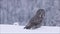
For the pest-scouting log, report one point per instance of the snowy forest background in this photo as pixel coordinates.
(23, 10)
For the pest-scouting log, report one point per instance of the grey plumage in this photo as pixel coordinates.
(36, 20)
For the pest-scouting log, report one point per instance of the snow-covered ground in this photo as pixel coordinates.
(19, 29)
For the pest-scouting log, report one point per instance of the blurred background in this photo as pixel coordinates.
(22, 11)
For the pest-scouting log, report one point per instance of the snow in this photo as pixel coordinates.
(20, 29)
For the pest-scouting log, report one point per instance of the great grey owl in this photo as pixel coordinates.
(36, 20)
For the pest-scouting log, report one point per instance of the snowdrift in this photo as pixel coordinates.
(20, 29)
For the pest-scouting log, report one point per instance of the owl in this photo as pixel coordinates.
(36, 20)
